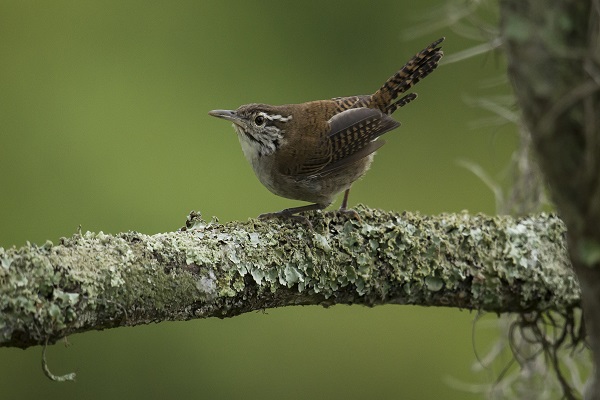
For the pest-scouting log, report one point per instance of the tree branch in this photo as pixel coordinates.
(98, 281)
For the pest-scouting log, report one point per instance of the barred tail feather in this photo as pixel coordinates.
(410, 74)
(400, 103)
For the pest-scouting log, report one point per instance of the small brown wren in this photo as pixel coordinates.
(313, 151)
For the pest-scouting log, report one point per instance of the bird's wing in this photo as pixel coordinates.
(352, 136)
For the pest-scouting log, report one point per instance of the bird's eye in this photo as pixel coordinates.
(259, 120)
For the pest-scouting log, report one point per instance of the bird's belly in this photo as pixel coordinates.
(314, 188)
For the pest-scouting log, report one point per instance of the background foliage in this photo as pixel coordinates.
(104, 124)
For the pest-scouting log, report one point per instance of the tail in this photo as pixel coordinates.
(413, 71)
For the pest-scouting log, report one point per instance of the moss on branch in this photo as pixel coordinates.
(97, 281)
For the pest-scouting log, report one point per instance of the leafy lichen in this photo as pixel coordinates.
(96, 281)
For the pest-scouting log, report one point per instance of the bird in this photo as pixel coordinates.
(315, 150)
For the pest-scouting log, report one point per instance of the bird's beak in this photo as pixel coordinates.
(229, 115)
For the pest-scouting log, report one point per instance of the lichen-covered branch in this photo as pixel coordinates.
(97, 281)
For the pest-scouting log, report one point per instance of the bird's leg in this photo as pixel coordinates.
(344, 207)
(345, 200)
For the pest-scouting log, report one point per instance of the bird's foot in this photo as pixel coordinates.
(347, 213)
(285, 214)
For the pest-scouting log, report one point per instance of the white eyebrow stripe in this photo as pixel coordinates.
(278, 117)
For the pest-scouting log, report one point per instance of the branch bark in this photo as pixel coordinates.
(97, 281)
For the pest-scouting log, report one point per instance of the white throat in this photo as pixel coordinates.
(251, 149)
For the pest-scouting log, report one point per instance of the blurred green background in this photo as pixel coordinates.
(104, 124)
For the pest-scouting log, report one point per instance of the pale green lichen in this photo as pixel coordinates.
(94, 280)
